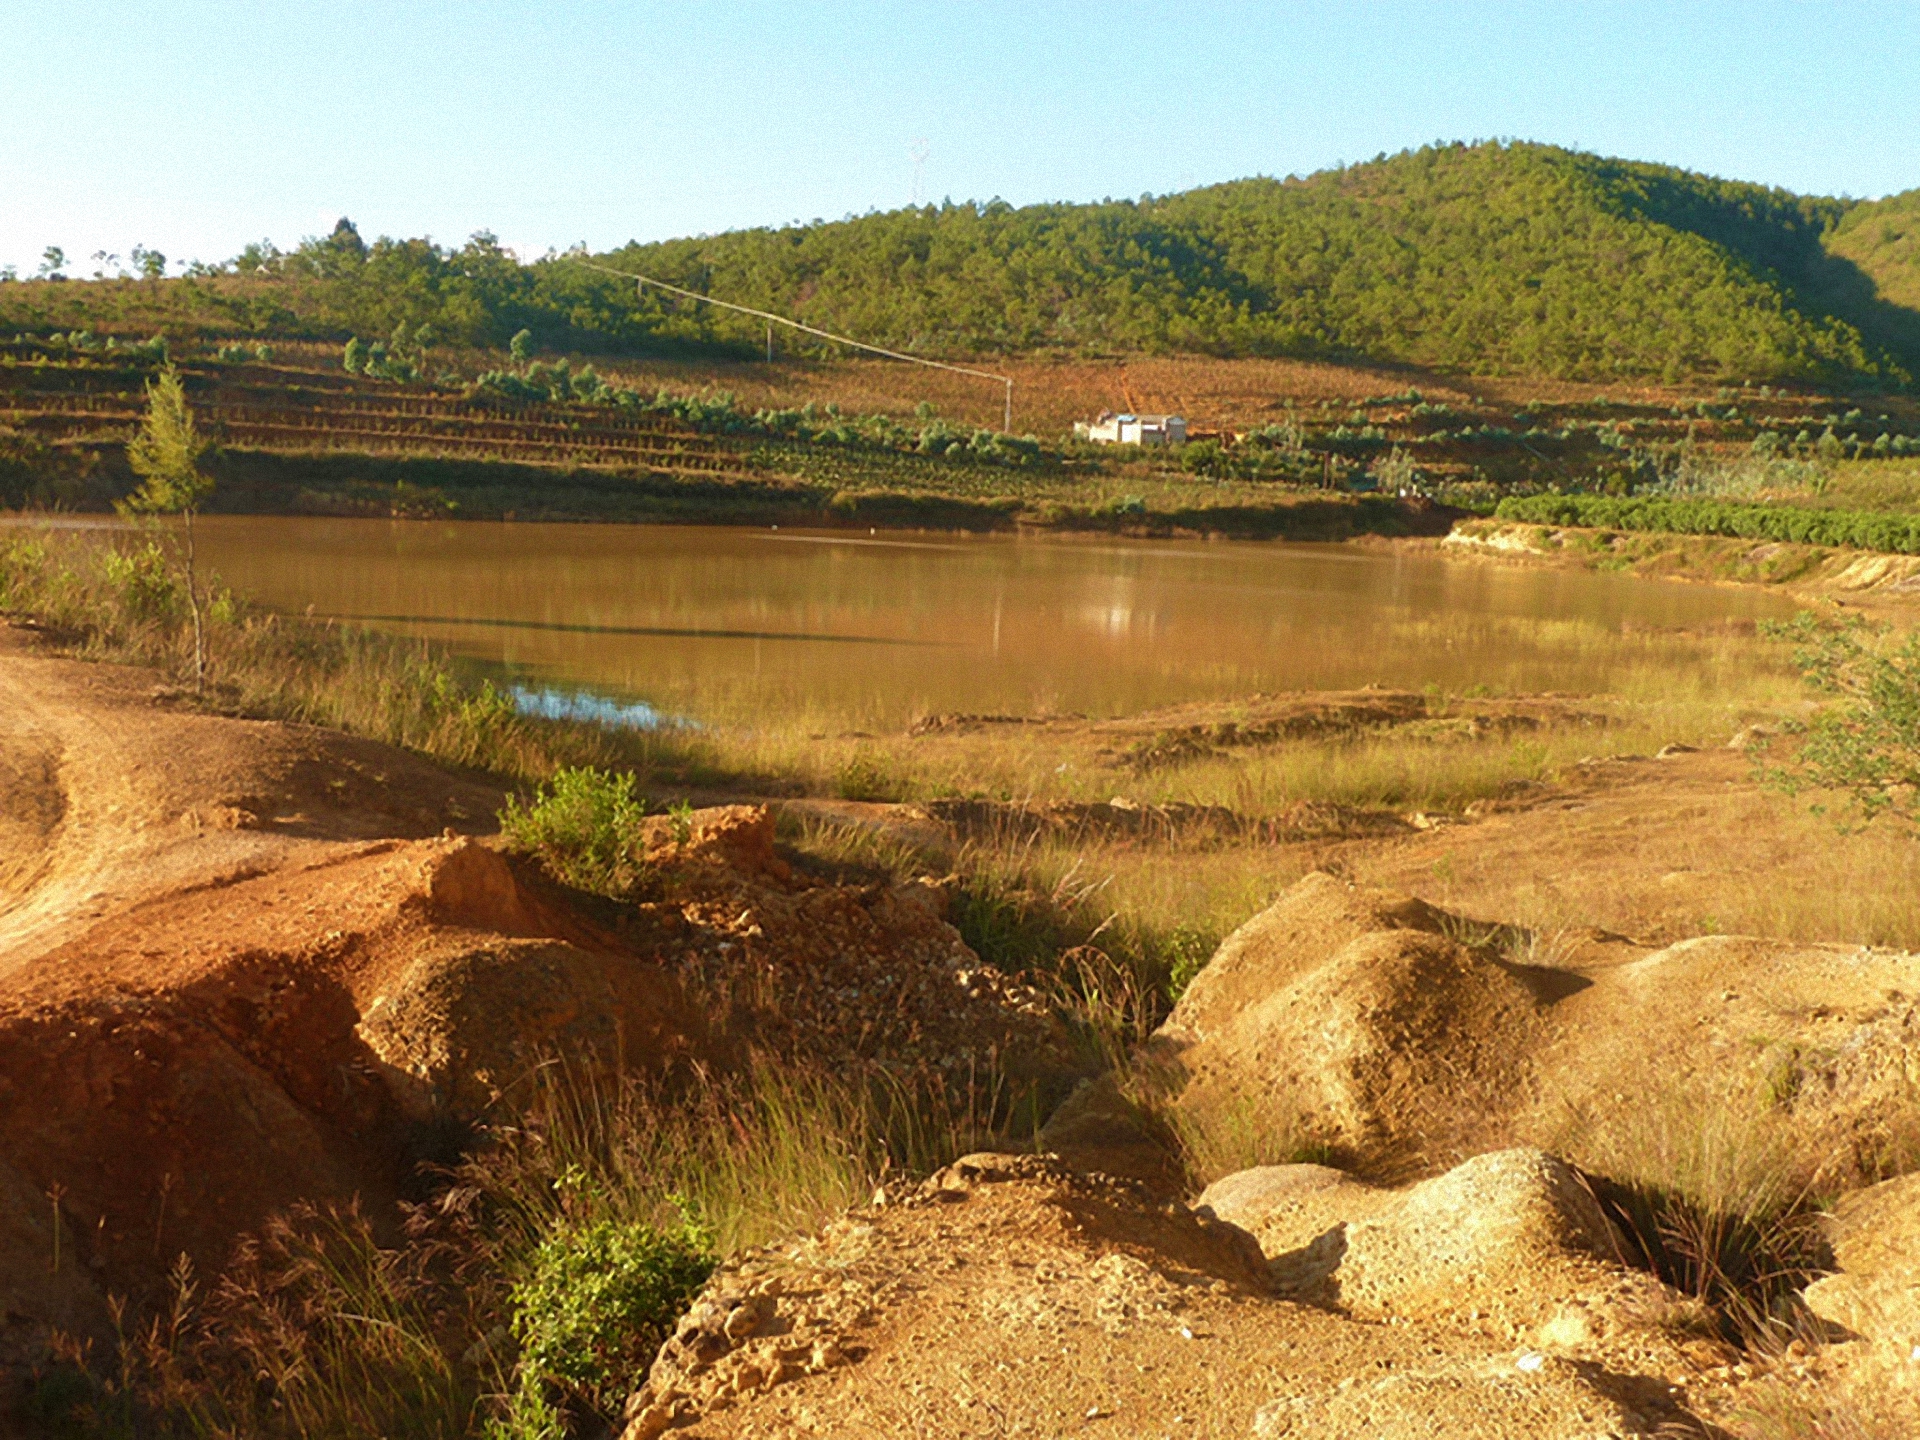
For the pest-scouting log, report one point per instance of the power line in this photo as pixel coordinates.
(772, 319)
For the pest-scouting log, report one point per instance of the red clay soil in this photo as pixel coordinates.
(246, 963)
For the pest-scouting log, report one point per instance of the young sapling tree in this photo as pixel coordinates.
(165, 453)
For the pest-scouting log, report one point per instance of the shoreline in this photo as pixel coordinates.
(1840, 576)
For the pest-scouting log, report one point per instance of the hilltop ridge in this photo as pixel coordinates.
(1493, 258)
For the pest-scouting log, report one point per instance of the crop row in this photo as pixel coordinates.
(572, 450)
(1854, 529)
(99, 403)
(480, 426)
(301, 432)
(443, 407)
(62, 413)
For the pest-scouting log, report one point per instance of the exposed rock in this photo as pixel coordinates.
(1358, 1010)
(1876, 1293)
(1532, 1395)
(1009, 1294)
(1511, 1243)
(1298, 1213)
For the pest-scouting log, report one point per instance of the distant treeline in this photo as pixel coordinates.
(1490, 258)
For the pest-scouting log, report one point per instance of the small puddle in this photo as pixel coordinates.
(551, 703)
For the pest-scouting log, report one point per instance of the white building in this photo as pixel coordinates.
(1112, 429)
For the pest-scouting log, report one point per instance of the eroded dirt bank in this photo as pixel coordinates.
(244, 964)
(1846, 576)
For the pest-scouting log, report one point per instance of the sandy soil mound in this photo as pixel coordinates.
(831, 971)
(1511, 1244)
(178, 1072)
(1407, 1035)
(1011, 1295)
(182, 1070)
(1875, 1296)
(1358, 1008)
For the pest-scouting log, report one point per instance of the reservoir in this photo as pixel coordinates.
(745, 625)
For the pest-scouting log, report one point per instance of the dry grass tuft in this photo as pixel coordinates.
(1222, 1134)
(1717, 1196)
(1825, 1411)
(321, 1328)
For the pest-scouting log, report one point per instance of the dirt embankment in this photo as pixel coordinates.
(1842, 575)
(1012, 1295)
(246, 964)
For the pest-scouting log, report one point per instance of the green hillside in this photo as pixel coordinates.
(1491, 258)
(1496, 258)
(1882, 238)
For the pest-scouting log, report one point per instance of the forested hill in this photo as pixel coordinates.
(1510, 258)
(1517, 258)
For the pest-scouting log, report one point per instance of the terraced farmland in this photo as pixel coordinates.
(86, 403)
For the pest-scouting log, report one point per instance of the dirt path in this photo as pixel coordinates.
(110, 796)
(87, 758)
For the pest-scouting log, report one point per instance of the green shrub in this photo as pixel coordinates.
(1203, 457)
(146, 587)
(585, 827)
(1866, 747)
(1856, 529)
(868, 776)
(599, 1301)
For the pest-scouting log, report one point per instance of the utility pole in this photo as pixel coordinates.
(769, 342)
(919, 151)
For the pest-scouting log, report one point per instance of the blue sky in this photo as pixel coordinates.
(197, 125)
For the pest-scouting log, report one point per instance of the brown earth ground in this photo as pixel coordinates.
(243, 963)
(248, 963)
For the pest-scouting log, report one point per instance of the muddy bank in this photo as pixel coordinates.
(1816, 571)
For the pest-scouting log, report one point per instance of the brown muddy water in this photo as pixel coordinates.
(758, 625)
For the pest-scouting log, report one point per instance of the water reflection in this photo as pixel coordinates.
(655, 630)
(551, 703)
(718, 623)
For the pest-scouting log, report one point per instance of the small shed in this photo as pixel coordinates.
(1129, 429)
